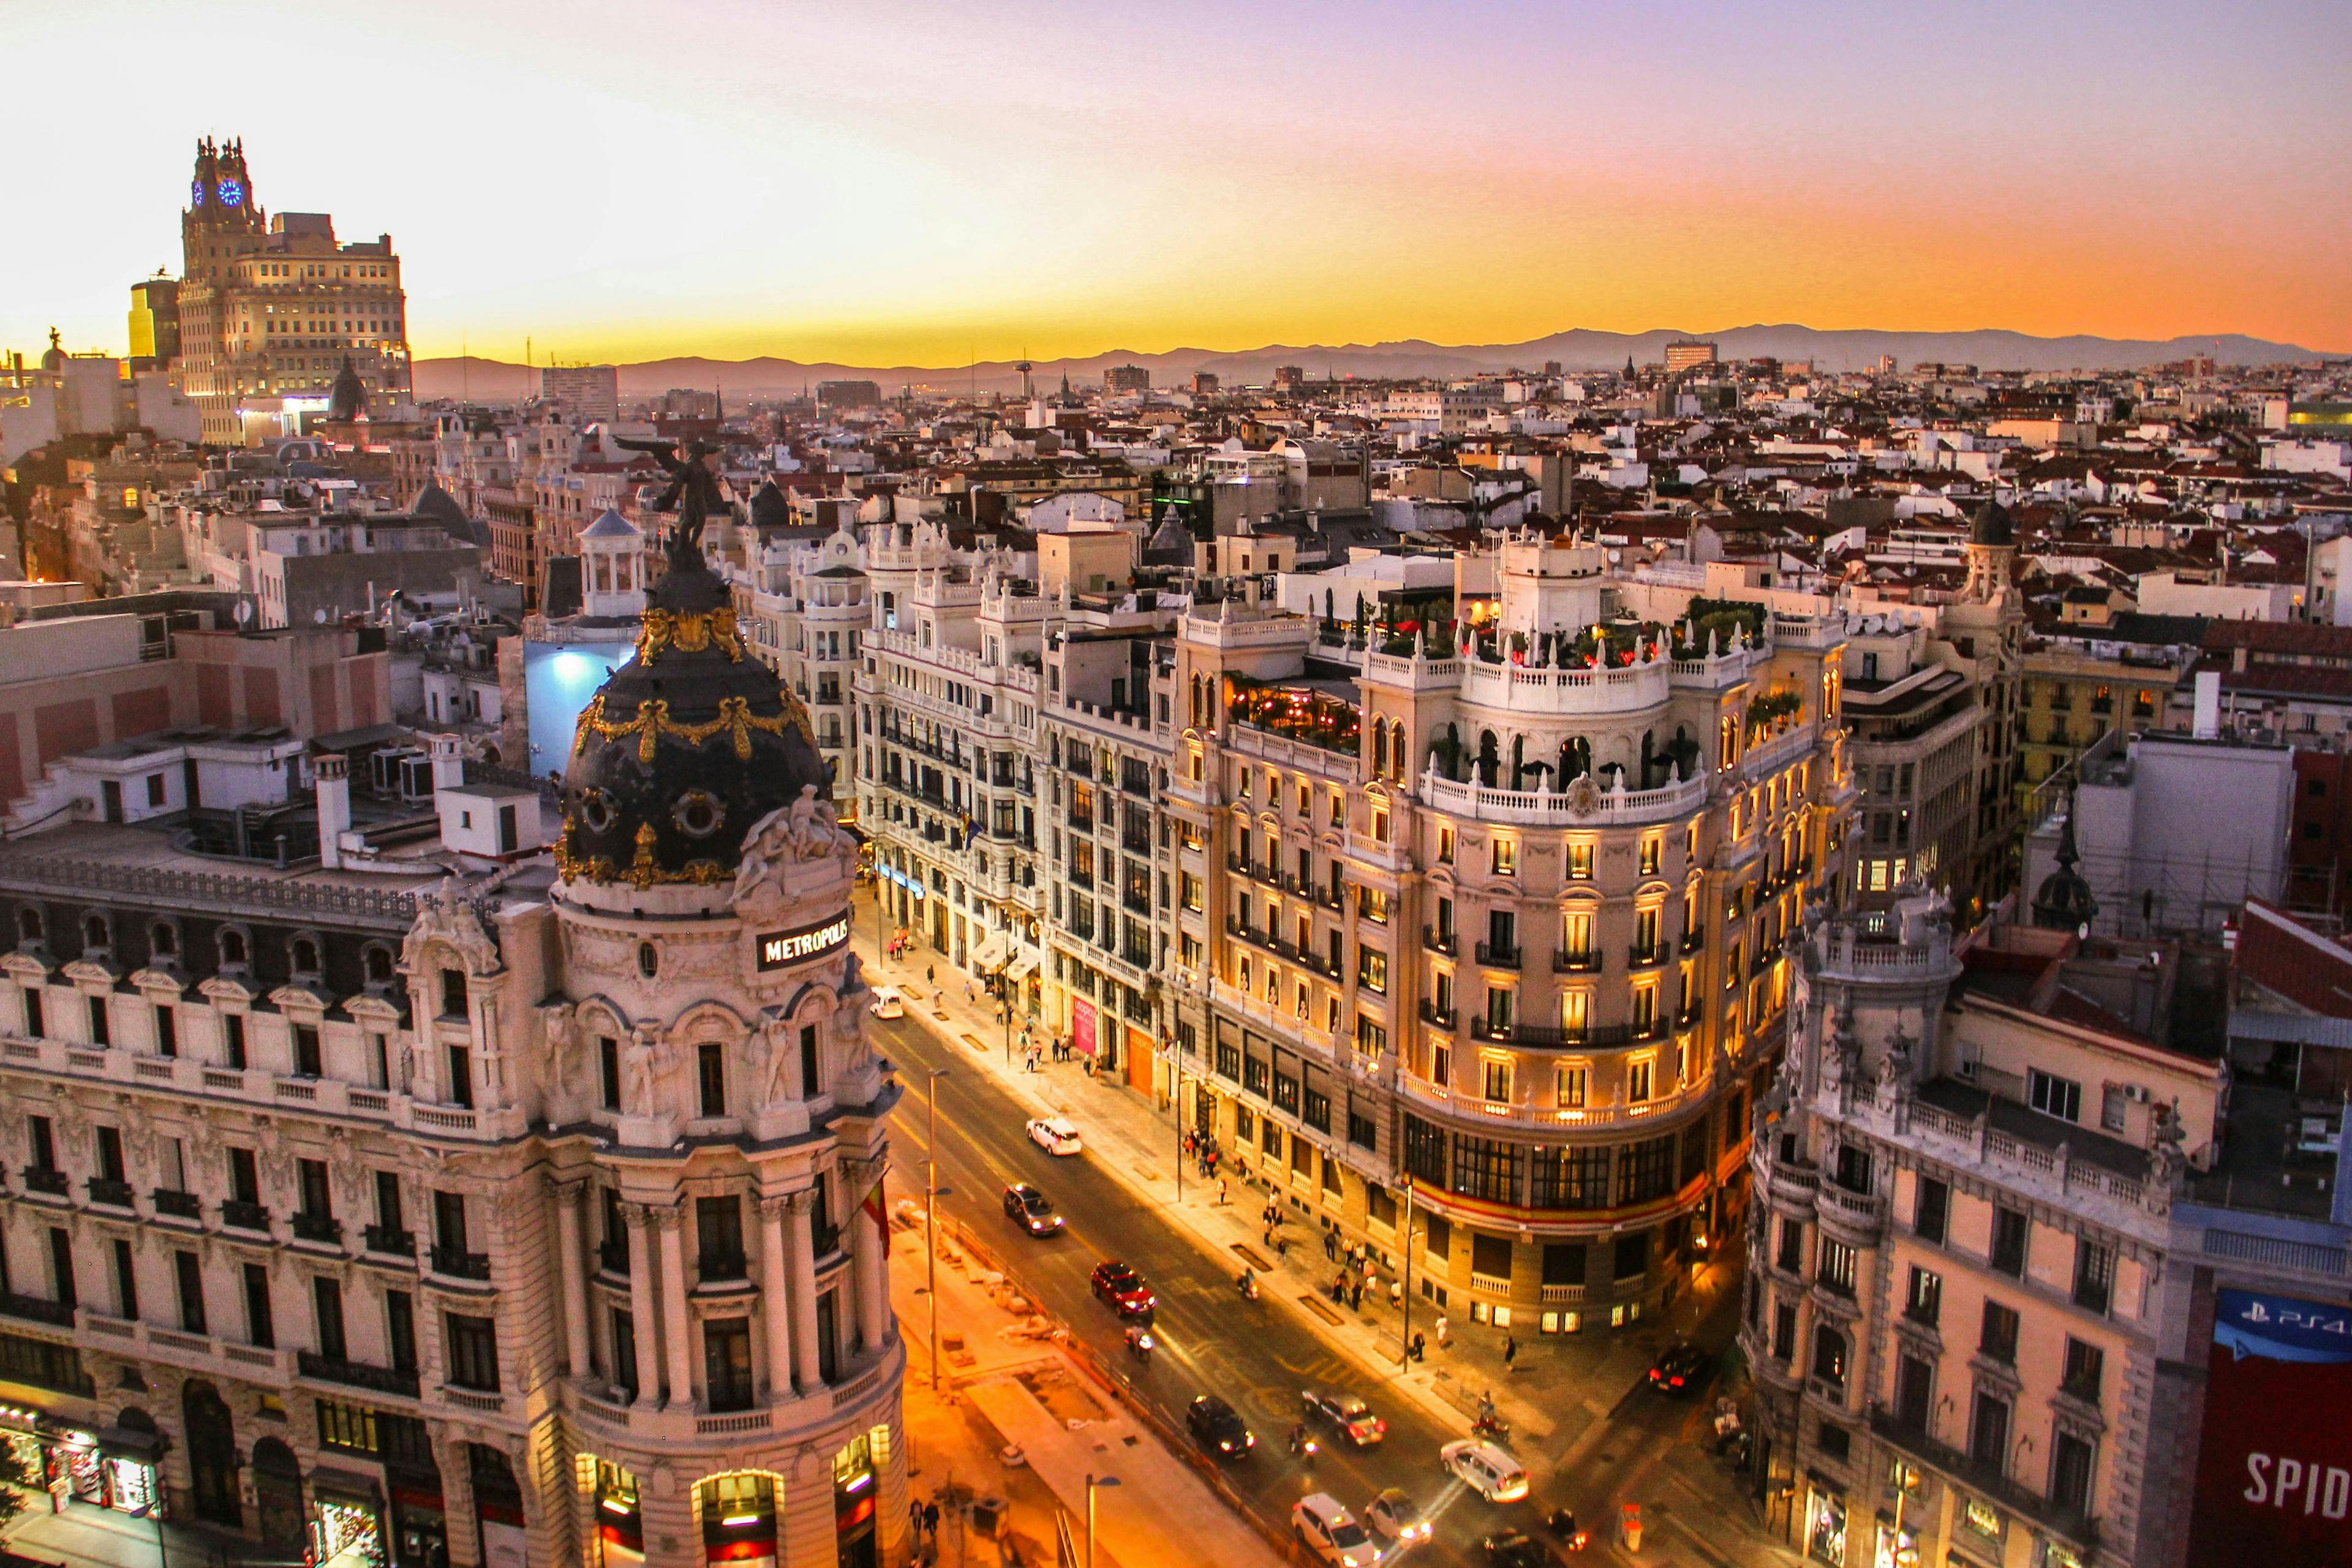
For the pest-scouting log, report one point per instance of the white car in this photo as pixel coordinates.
(1485, 1469)
(888, 1003)
(1054, 1134)
(1397, 1517)
(1327, 1529)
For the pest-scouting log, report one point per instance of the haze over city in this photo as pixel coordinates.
(929, 184)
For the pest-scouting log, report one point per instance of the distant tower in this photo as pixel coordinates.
(1992, 551)
(1027, 392)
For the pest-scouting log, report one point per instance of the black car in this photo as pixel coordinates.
(1514, 1548)
(1218, 1428)
(1680, 1370)
(1030, 1209)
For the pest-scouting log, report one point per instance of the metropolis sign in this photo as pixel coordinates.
(2274, 1476)
(778, 949)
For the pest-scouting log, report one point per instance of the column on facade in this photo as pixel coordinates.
(775, 1296)
(801, 1236)
(868, 1255)
(636, 1216)
(677, 1328)
(572, 1277)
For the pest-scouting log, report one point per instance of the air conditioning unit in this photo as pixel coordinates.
(2137, 1093)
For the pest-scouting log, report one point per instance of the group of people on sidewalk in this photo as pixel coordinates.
(1036, 1049)
(1356, 1275)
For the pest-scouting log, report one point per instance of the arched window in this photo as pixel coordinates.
(648, 960)
(29, 925)
(163, 939)
(304, 955)
(1380, 748)
(233, 948)
(95, 932)
(377, 962)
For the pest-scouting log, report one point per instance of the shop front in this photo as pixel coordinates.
(112, 1468)
(857, 1485)
(738, 1520)
(620, 1520)
(347, 1519)
(1825, 1523)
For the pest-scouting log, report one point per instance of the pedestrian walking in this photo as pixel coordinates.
(1221, 1181)
(1396, 1293)
(1442, 1325)
(931, 975)
(1420, 1348)
(915, 1516)
(1356, 1297)
(1510, 1351)
(931, 1518)
(1330, 1246)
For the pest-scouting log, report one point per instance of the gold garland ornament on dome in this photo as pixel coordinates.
(644, 870)
(690, 633)
(653, 720)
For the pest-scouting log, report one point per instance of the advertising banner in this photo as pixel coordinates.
(2274, 1468)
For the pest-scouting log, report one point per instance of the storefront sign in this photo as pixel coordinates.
(2274, 1471)
(1082, 1027)
(778, 949)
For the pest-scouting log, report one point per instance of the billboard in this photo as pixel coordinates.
(2275, 1468)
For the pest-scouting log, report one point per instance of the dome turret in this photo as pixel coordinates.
(691, 743)
(2065, 900)
(347, 399)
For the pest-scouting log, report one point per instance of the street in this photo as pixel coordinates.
(1259, 1355)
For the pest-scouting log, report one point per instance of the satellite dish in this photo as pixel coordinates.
(244, 611)
(318, 617)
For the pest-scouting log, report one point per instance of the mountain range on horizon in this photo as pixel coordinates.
(1578, 349)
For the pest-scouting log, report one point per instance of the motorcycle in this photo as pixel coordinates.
(1303, 1444)
(1139, 1344)
(1563, 1525)
(1486, 1424)
(1247, 1285)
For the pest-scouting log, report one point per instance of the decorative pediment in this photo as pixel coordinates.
(298, 997)
(160, 980)
(89, 972)
(446, 917)
(222, 988)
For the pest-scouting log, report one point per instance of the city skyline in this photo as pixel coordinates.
(915, 189)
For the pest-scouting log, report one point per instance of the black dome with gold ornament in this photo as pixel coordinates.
(690, 743)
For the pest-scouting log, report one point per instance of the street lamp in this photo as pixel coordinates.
(930, 1213)
(1094, 1484)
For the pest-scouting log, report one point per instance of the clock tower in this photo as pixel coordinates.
(222, 222)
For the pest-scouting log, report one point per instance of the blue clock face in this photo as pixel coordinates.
(232, 193)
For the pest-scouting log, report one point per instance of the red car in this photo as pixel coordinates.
(1122, 1289)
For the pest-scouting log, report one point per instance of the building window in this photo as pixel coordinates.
(1646, 1170)
(1361, 1132)
(710, 1064)
(608, 1066)
(1638, 1075)
(1574, 1177)
(1486, 1168)
(2053, 1096)
(2085, 1369)
(1573, 1085)
(261, 1322)
(1997, 1341)
(1836, 1270)
(1828, 1357)
(1504, 855)
(1580, 860)
(1931, 1210)
(2072, 1463)
(1784, 1332)
(1988, 1434)
(2094, 1270)
(2009, 1233)
(453, 994)
(1923, 1302)
(1373, 969)
(473, 1352)
(727, 1363)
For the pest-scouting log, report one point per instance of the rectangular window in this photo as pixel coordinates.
(1784, 1332)
(400, 1328)
(710, 1067)
(1573, 1084)
(1914, 1392)
(1317, 1111)
(727, 1363)
(233, 1039)
(1790, 1258)
(1638, 1074)
(624, 1352)
(1361, 1132)
(1646, 1170)
(260, 1323)
(1988, 1434)
(1998, 1341)
(187, 1272)
(1579, 861)
(449, 1221)
(1504, 857)
(1496, 1073)
(327, 1305)
(2085, 1369)
(472, 1345)
(1424, 1151)
(307, 1061)
(461, 1076)
(243, 1176)
(317, 1197)
(719, 1236)
(167, 1032)
(100, 1033)
(608, 1066)
(2095, 1273)
(1836, 1270)
(1373, 969)
(2053, 1096)
(812, 1063)
(2072, 1462)
(1486, 1168)
(126, 1282)
(2009, 1233)
(1931, 1210)
(109, 1154)
(1573, 1177)
(1924, 1301)
(453, 994)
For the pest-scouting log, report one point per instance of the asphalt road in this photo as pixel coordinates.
(1257, 1355)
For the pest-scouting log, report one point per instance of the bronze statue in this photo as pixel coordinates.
(693, 493)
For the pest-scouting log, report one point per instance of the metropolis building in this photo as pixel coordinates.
(530, 1218)
(1482, 930)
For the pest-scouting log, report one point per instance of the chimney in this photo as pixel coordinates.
(334, 794)
(448, 763)
(2209, 704)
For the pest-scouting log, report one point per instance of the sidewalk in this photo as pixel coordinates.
(1562, 1387)
(1004, 1387)
(88, 1536)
